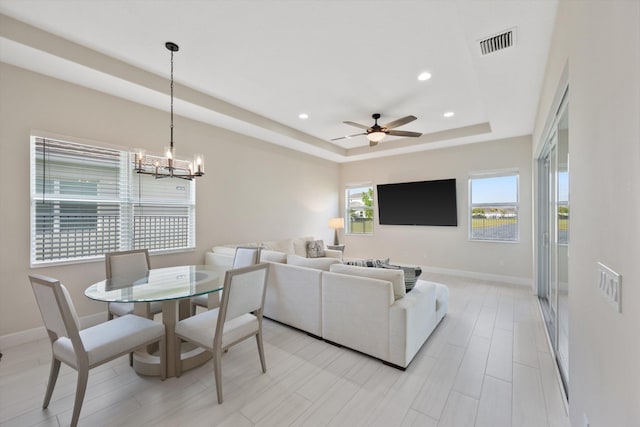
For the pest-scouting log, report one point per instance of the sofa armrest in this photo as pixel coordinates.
(411, 321)
(333, 253)
(355, 312)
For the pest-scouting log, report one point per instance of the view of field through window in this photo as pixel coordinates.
(494, 208)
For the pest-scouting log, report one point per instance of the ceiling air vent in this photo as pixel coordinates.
(498, 42)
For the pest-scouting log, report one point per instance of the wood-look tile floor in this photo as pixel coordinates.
(486, 364)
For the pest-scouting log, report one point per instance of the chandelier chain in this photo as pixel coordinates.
(171, 102)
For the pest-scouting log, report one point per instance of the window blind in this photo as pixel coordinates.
(86, 201)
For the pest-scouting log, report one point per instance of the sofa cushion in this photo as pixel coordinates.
(316, 263)
(273, 256)
(283, 246)
(396, 277)
(315, 249)
(299, 246)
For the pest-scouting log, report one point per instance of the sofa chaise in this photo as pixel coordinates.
(365, 309)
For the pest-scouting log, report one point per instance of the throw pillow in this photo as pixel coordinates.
(411, 274)
(315, 249)
(299, 246)
(379, 263)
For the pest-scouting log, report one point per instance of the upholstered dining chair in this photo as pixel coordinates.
(244, 257)
(85, 349)
(238, 318)
(134, 263)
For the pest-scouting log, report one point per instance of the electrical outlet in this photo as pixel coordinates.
(610, 284)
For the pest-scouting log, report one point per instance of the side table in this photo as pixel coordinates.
(336, 247)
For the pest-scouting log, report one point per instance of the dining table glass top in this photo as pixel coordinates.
(158, 284)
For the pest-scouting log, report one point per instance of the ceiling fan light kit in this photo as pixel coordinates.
(376, 136)
(377, 132)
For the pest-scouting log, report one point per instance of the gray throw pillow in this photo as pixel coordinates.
(379, 263)
(315, 249)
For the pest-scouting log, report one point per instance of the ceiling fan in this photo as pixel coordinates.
(376, 132)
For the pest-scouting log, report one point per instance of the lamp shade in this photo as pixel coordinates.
(336, 223)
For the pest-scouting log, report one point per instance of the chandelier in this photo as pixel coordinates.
(168, 166)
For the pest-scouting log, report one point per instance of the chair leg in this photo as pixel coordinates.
(53, 376)
(131, 359)
(217, 371)
(261, 351)
(83, 377)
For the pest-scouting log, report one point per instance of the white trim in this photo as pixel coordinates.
(513, 280)
(35, 334)
(552, 113)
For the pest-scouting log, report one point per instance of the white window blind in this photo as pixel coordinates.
(86, 201)
(163, 213)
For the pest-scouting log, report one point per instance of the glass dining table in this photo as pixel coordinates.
(173, 286)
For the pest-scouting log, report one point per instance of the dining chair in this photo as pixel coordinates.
(238, 318)
(134, 263)
(244, 257)
(85, 349)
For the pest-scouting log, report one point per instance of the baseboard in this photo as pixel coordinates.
(513, 280)
(35, 334)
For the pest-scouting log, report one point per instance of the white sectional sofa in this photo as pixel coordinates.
(365, 309)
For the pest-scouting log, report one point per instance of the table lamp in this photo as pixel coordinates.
(336, 224)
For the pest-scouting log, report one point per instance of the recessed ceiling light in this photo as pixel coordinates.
(449, 114)
(303, 116)
(424, 76)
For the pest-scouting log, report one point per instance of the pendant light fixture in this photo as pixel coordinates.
(169, 166)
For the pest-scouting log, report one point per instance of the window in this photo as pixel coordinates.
(563, 206)
(87, 200)
(494, 207)
(359, 209)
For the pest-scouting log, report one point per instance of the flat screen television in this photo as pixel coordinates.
(418, 203)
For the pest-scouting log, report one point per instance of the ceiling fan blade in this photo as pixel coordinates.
(348, 136)
(399, 122)
(358, 125)
(403, 133)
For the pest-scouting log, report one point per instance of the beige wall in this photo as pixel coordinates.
(448, 248)
(252, 190)
(600, 42)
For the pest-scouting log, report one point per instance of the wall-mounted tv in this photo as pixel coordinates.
(418, 203)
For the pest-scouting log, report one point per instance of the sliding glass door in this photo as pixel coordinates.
(553, 237)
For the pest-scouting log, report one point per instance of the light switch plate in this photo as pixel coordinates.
(610, 284)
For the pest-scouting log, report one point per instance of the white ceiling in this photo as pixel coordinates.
(253, 66)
